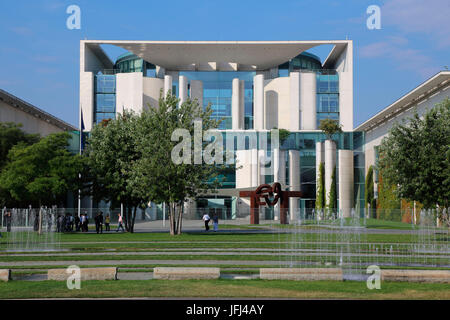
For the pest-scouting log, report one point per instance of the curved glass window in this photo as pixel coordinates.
(304, 61)
(129, 62)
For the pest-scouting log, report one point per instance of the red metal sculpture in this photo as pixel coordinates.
(271, 194)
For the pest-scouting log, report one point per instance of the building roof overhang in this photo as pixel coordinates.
(248, 55)
(429, 87)
(24, 106)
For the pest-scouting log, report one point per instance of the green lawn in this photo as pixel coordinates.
(224, 288)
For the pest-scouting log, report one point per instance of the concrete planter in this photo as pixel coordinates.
(309, 274)
(169, 273)
(109, 273)
(442, 276)
(5, 275)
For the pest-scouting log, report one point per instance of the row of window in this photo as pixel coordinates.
(219, 95)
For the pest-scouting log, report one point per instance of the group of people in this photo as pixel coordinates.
(206, 218)
(69, 223)
(99, 223)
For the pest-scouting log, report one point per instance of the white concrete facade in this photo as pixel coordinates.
(279, 101)
(308, 96)
(346, 183)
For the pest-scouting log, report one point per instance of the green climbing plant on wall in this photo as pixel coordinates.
(389, 205)
(369, 196)
(332, 205)
(320, 194)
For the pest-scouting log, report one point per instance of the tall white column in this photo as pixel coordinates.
(183, 89)
(294, 181)
(235, 104)
(254, 167)
(346, 180)
(294, 100)
(258, 102)
(197, 91)
(167, 84)
(261, 167)
(308, 96)
(279, 174)
(330, 163)
(320, 157)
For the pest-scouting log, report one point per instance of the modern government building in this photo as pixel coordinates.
(254, 86)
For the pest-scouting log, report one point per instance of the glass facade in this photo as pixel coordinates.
(105, 97)
(304, 61)
(129, 62)
(305, 144)
(217, 91)
(327, 95)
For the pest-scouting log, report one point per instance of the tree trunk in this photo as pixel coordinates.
(180, 218)
(133, 219)
(172, 219)
(130, 215)
(124, 216)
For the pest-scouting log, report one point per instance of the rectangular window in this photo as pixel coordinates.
(105, 97)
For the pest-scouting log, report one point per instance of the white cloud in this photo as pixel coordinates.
(395, 49)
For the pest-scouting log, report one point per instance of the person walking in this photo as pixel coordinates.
(120, 223)
(99, 222)
(216, 222)
(77, 223)
(82, 219)
(8, 221)
(107, 222)
(206, 219)
(86, 223)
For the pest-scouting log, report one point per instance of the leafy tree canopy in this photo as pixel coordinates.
(42, 173)
(415, 157)
(330, 127)
(10, 135)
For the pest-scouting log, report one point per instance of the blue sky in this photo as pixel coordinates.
(39, 56)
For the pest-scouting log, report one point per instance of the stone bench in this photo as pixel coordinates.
(109, 273)
(5, 275)
(416, 275)
(308, 274)
(174, 273)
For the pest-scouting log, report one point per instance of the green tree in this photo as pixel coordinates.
(415, 157)
(283, 134)
(10, 135)
(111, 154)
(156, 176)
(388, 204)
(330, 127)
(42, 173)
(369, 196)
(320, 197)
